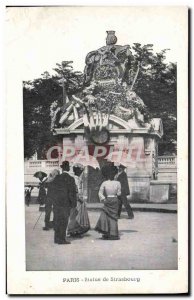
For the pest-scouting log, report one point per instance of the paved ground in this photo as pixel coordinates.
(151, 207)
(147, 242)
(144, 206)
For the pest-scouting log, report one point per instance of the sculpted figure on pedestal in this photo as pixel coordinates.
(107, 89)
(109, 62)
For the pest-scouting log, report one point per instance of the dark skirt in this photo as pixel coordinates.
(42, 195)
(108, 221)
(79, 221)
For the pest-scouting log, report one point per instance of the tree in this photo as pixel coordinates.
(38, 96)
(37, 100)
(71, 81)
(30, 125)
(157, 86)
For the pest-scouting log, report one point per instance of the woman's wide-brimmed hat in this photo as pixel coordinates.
(109, 170)
(64, 164)
(40, 175)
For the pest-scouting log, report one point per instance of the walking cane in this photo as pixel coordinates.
(37, 220)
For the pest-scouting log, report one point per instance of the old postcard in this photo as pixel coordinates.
(97, 151)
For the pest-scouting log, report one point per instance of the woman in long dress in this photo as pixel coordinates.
(79, 221)
(109, 191)
(42, 193)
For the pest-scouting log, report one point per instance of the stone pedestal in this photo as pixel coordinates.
(139, 188)
(162, 191)
(138, 143)
(159, 191)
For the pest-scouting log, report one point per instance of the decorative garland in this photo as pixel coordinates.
(116, 99)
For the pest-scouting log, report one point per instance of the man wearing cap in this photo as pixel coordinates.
(122, 178)
(65, 200)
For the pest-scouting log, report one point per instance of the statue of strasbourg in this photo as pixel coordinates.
(107, 89)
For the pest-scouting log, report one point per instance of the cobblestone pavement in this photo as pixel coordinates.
(149, 241)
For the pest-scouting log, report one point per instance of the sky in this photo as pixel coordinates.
(39, 37)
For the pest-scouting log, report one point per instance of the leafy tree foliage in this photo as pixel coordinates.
(157, 86)
(38, 96)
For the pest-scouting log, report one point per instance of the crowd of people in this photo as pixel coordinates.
(65, 198)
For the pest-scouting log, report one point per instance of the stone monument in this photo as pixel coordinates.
(108, 113)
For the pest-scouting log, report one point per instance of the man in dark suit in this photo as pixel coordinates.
(65, 200)
(122, 178)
